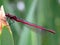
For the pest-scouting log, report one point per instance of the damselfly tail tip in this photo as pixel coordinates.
(51, 31)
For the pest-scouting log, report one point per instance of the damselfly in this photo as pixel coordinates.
(28, 23)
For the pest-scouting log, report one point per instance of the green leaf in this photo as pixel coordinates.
(6, 37)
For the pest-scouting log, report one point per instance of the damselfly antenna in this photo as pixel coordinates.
(28, 23)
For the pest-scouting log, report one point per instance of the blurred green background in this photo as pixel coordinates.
(45, 13)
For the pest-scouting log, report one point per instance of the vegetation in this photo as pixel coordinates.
(45, 13)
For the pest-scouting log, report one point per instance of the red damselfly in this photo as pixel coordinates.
(28, 23)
